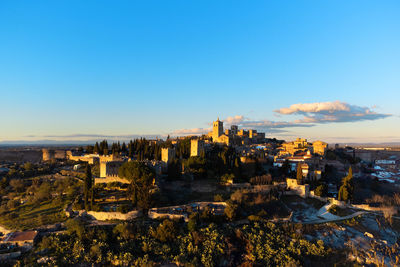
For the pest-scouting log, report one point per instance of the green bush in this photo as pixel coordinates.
(193, 222)
(124, 208)
(321, 190)
(333, 209)
(75, 226)
(218, 198)
(166, 231)
(254, 218)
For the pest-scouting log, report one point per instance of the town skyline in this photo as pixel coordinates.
(199, 133)
(312, 115)
(173, 69)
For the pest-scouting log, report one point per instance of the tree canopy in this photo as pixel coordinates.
(347, 189)
(142, 178)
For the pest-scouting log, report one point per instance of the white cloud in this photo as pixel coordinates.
(311, 114)
(320, 107)
(194, 131)
(238, 119)
(327, 112)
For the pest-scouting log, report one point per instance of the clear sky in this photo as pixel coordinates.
(88, 69)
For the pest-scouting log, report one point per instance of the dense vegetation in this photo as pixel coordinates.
(142, 244)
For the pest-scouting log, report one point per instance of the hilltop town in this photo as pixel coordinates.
(198, 200)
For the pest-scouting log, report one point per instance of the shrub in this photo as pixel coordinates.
(193, 222)
(239, 196)
(388, 213)
(75, 226)
(227, 178)
(125, 230)
(96, 208)
(166, 231)
(333, 209)
(218, 198)
(231, 210)
(12, 204)
(321, 190)
(77, 205)
(254, 218)
(124, 208)
(17, 184)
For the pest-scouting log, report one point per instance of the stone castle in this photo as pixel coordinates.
(234, 136)
(196, 147)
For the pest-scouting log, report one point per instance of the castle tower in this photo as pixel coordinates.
(196, 147)
(48, 154)
(167, 155)
(110, 168)
(234, 129)
(218, 129)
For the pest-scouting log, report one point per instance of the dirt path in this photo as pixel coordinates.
(323, 216)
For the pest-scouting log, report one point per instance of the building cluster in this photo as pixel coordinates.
(234, 136)
(301, 145)
(308, 155)
(387, 169)
(247, 143)
(109, 164)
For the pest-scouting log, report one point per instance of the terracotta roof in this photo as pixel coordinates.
(20, 236)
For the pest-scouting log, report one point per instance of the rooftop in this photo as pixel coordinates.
(20, 236)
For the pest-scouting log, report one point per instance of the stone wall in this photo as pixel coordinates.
(328, 199)
(156, 215)
(110, 179)
(368, 207)
(167, 212)
(302, 190)
(104, 216)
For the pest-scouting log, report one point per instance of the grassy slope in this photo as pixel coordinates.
(28, 216)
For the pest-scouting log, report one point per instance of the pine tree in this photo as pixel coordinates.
(299, 175)
(237, 169)
(87, 185)
(92, 191)
(96, 149)
(123, 148)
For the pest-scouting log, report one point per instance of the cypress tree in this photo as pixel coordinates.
(96, 149)
(87, 185)
(346, 191)
(92, 190)
(299, 175)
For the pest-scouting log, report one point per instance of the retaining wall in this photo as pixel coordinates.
(104, 216)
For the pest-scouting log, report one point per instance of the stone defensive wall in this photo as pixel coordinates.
(104, 216)
(156, 215)
(181, 211)
(327, 199)
(301, 190)
(110, 179)
(254, 188)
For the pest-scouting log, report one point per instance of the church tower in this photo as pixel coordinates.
(218, 129)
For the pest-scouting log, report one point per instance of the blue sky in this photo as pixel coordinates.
(119, 68)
